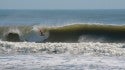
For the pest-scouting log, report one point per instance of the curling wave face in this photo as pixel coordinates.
(68, 33)
(20, 33)
(90, 48)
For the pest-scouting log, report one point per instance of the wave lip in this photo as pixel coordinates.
(94, 49)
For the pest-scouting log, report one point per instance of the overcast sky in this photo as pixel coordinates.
(62, 4)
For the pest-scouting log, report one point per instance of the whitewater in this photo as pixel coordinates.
(86, 48)
(61, 56)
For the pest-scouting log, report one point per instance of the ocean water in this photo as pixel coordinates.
(69, 39)
(58, 17)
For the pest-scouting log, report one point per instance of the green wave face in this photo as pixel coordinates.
(72, 33)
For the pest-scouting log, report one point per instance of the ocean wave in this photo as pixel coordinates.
(90, 48)
(66, 33)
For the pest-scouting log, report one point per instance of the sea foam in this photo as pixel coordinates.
(90, 48)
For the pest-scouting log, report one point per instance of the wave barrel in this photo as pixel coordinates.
(14, 37)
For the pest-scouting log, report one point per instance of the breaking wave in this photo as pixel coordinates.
(68, 33)
(95, 40)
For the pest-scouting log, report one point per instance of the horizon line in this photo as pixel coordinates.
(64, 9)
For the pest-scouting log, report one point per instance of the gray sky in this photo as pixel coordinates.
(62, 4)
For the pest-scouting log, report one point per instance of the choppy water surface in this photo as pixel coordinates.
(61, 56)
(60, 62)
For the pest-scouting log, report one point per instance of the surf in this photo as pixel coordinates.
(68, 33)
(89, 48)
